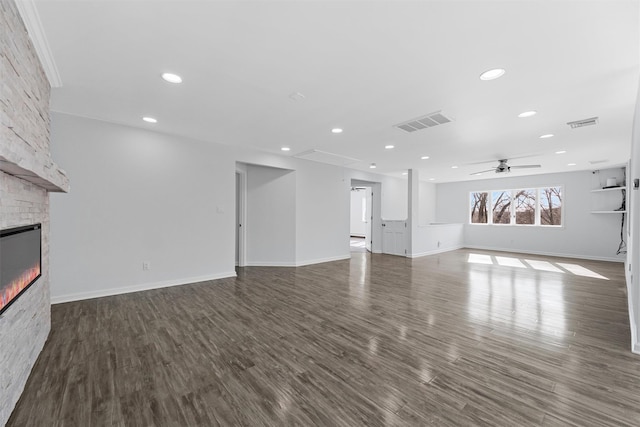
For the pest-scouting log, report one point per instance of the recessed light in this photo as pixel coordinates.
(546, 135)
(405, 173)
(424, 157)
(432, 179)
(297, 96)
(492, 74)
(561, 152)
(454, 167)
(285, 148)
(527, 114)
(336, 130)
(372, 166)
(150, 120)
(389, 147)
(571, 164)
(171, 78)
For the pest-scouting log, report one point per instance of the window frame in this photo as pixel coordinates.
(512, 207)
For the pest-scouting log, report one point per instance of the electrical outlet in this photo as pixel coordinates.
(146, 266)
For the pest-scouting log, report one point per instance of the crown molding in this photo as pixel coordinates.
(31, 18)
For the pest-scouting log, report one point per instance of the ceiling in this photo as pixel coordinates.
(363, 67)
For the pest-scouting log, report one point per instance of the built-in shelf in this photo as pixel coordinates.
(608, 212)
(608, 189)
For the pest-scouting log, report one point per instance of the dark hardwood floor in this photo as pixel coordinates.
(462, 338)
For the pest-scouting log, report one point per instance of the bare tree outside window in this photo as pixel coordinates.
(550, 206)
(525, 201)
(501, 201)
(479, 208)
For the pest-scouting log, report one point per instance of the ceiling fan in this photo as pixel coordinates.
(503, 167)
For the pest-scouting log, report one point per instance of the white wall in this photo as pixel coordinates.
(437, 238)
(633, 243)
(357, 225)
(142, 196)
(137, 196)
(583, 235)
(271, 216)
(393, 191)
(427, 203)
(322, 213)
(394, 198)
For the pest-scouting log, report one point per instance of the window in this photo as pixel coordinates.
(479, 208)
(551, 206)
(525, 201)
(501, 202)
(529, 207)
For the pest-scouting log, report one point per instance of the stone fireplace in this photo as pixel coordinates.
(27, 175)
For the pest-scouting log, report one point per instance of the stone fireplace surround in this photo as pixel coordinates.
(27, 175)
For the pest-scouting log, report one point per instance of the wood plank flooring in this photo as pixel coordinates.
(462, 338)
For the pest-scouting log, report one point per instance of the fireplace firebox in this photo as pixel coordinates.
(20, 262)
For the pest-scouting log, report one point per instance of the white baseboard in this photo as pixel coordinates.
(296, 264)
(57, 299)
(321, 260)
(635, 346)
(269, 264)
(561, 255)
(436, 251)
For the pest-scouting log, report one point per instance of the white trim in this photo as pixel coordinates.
(635, 346)
(298, 263)
(321, 260)
(137, 288)
(561, 255)
(269, 264)
(436, 251)
(31, 18)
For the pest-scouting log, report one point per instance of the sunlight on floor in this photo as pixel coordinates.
(510, 262)
(479, 259)
(579, 270)
(543, 265)
(539, 265)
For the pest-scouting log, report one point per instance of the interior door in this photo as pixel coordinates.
(394, 237)
(369, 218)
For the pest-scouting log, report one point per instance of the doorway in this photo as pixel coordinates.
(372, 208)
(241, 197)
(361, 217)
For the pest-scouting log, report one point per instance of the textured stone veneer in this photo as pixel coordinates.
(24, 142)
(25, 325)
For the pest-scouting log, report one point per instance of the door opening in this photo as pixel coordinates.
(240, 219)
(361, 216)
(368, 211)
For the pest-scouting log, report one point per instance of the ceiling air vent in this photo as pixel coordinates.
(424, 122)
(584, 122)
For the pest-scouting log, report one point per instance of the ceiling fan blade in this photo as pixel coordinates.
(481, 172)
(502, 156)
(525, 166)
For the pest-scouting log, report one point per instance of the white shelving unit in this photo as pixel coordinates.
(608, 189)
(608, 200)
